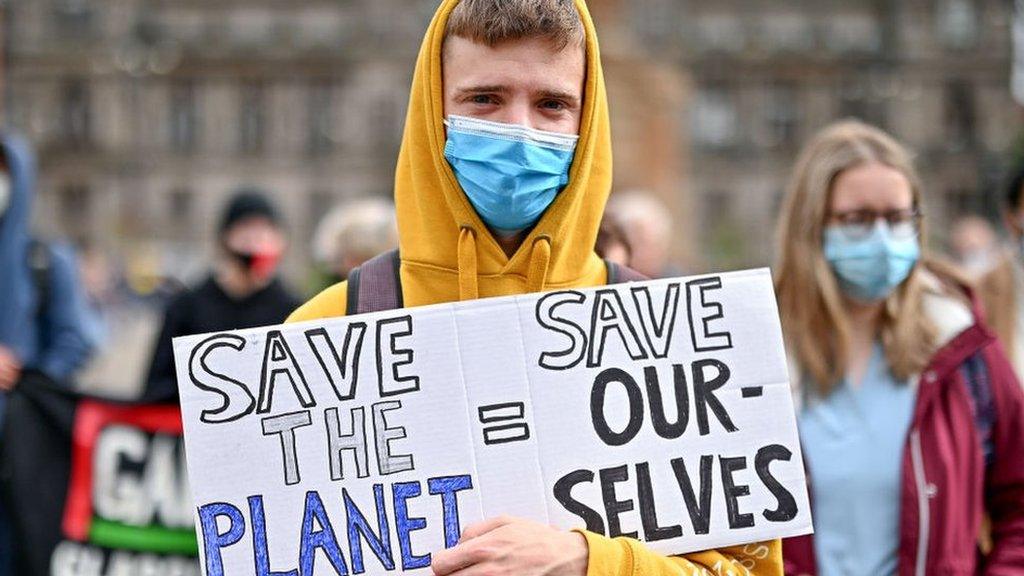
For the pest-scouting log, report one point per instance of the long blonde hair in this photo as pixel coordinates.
(814, 317)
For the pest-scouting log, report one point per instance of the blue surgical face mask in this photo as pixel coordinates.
(510, 173)
(870, 268)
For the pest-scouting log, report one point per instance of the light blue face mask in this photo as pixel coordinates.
(870, 268)
(510, 173)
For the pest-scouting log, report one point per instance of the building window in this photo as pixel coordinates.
(184, 120)
(181, 204)
(856, 102)
(73, 17)
(715, 117)
(320, 115)
(252, 118)
(786, 32)
(782, 118)
(74, 205)
(320, 203)
(386, 119)
(720, 33)
(959, 114)
(847, 33)
(957, 24)
(75, 114)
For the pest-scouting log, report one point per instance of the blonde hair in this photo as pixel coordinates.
(813, 314)
(492, 22)
(355, 231)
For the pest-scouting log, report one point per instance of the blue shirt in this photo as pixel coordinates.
(853, 442)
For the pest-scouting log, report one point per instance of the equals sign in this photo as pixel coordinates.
(506, 423)
(752, 391)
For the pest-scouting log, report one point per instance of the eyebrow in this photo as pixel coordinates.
(497, 88)
(560, 95)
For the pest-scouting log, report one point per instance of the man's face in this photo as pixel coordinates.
(525, 82)
(256, 243)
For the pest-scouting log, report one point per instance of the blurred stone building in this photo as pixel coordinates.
(149, 112)
(768, 74)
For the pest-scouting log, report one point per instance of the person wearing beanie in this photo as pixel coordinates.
(242, 290)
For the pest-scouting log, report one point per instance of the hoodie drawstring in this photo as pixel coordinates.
(468, 289)
(536, 276)
(540, 259)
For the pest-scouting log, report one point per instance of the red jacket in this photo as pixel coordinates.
(964, 456)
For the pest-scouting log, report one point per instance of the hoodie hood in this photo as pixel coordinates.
(447, 252)
(16, 281)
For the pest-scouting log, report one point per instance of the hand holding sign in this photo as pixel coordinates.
(658, 410)
(506, 545)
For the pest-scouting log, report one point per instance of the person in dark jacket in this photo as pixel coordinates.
(243, 291)
(911, 418)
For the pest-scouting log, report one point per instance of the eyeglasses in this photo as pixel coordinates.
(858, 224)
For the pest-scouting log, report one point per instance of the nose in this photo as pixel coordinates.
(518, 112)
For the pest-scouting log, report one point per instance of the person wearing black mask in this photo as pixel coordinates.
(243, 290)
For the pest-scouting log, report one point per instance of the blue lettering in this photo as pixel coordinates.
(323, 538)
(402, 491)
(380, 543)
(447, 487)
(259, 540)
(213, 540)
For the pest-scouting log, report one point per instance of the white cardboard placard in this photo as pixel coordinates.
(659, 410)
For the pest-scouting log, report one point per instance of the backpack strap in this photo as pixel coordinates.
(618, 274)
(976, 377)
(376, 285)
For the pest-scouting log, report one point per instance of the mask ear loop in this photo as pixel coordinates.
(468, 289)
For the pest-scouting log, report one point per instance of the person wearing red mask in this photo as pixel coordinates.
(242, 291)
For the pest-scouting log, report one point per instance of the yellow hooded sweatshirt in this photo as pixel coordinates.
(448, 254)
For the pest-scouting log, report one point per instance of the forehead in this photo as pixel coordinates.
(251, 224)
(871, 186)
(528, 63)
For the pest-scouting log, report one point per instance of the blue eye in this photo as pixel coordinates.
(481, 99)
(552, 105)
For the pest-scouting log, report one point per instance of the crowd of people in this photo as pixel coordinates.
(905, 364)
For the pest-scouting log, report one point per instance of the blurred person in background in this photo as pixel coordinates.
(352, 233)
(975, 246)
(612, 243)
(242, 291)
(43, 324)
(1002, 288)
(42, 307)
(646, 223)
(910, 416)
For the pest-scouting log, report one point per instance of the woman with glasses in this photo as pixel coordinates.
(911, 419)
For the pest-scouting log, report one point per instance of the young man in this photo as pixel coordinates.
(501, 183)
(243, 291)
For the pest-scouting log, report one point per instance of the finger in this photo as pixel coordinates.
(475, 570)
(460, 557)
(481, 528)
